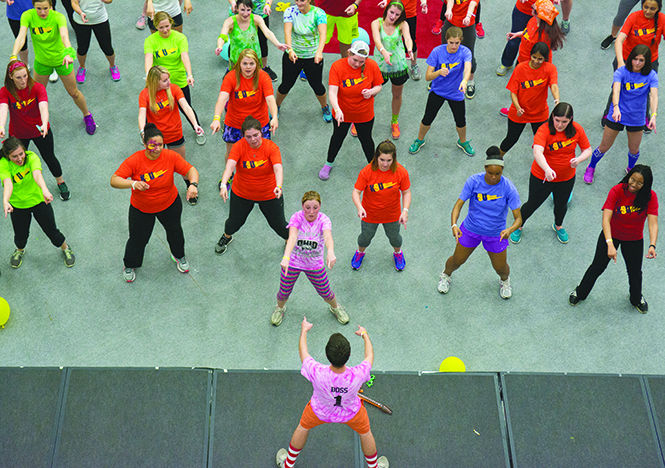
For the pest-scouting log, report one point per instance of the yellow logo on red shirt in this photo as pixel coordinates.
(244, 94)
(381, 186)
(459, 2)
(152, 175)
(164, 52)
(163, 104)
(486, 197)
(19, 176)
(21, 104)
(254, 164)
(627, 209)
(352, 82)
(634, 86)
(531, 83)
(40, 31)
(561, 144)
(643, 32)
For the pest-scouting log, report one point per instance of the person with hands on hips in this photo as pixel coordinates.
(258, 180)
(629, 205)
(149, 175)
(490, 196)
(309, 231)
(25, 195)
(335, 396)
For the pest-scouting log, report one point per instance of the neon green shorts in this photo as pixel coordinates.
(347, 28)
(46, 70)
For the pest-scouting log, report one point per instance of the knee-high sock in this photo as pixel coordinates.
(595, 157)
(632, 159)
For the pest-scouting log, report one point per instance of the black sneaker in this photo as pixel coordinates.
(573, 299)
(607, 42)
(642, 307)
(223, 242)
(271, 74)
(64, 191)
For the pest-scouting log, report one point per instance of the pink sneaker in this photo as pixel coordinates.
(588, 175)
(80, 75)
(480, 32)
(90, 125)
(503, 111)
(324, 173)
(115, 73)
(140, 22)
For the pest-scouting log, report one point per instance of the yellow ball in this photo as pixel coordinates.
(4, 312)
(452, 364)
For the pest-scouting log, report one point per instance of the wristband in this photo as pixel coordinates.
(608, 240)
(453, 226)
(363, 333)
(71, 52)
(405, 209)
(355, 5)
(652, 245)
(216, 118)
(133, 183)
(224, 37)
(279, 187)
(654, 114)
(13, 57)
(286, 258)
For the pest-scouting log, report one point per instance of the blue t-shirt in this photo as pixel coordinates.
(16, 9)
(448, 86)
(488, 205)
(634, 95)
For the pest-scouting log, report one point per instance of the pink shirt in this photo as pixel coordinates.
(335, 397)
(308, 252)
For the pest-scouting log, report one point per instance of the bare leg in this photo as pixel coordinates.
(299, 437)
(23, 55)
(615, 30)
(264, 62)
(397, 99)
(228, 150)
(566, 8)
(64, 246)
(81, 59)
(500, 264)
(343, 49)
(323, 100)
(179, 149)
(367, 443)
(279, 98)
(41, 79)
(609, 136)
(111, 59)
(457, 259)
(70, 85)
(634, 140)
(423, 131)
(461, 133)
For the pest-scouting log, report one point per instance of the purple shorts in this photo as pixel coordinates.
(233, 135)
(470, 240)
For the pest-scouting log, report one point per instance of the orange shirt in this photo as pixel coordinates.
(158, 174)
(531, 88)
(246, 100)
(381, 193)
(525, 6)
(255, 176)
(410, 8)
(559, 150)
(460, 9)
(529, 39)
(167, 119)
(640, 30)
(355, 107)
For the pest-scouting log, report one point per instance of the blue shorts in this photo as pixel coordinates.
(471, 240)
(233, 135)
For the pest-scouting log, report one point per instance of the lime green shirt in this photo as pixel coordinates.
(166, 52)
(26, 192)
(45, 34)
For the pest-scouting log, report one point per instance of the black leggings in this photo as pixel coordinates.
(263, 40)
(15, 26)
(632, 253)
(44, 216)
(140, 229)
(188, 98)
(538, 193)
(434, 103)
(468, 38)
(102, 34)
(413, 25)
(290, 72)
(364, 130)
(514, 131)
(273, 211)
(46, 150)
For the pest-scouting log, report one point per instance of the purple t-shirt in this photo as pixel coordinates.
(448, 86)
(335, 396)
(308, 252)
(488, 204)
(634, 95)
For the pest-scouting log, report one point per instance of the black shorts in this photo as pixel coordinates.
(396, 80)
(619, 126)
(177, 21)
(175, 144)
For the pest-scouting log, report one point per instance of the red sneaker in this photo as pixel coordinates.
(480, 32)
(436, 29)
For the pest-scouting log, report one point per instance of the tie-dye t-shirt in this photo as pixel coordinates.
(335, 397)
(305, 33)
(308, 252)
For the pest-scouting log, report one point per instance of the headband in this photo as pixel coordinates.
(494, 162)
(17, 64)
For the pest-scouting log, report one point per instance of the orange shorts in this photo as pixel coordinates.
(359, 423)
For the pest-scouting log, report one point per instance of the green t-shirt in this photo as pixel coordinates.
(305, 32)
(45, 34)
(26, 192)
(166, 52)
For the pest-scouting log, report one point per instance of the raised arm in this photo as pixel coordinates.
(369, 349)
(302, 343)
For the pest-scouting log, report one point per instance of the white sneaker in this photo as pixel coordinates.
(201, 139)
(53, 77)
(505, 291)
(280, 458)
(278, 315)
(382, 462)
(444, 283)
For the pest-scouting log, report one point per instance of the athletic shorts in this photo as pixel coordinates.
(619, 126)
(359, 423)
(396, 80)
(177, 143)
(233, 135)
(347, 28)
(471, 240)
(45, 70)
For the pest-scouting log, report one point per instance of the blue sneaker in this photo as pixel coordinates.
(357, 260)
(302, 75)
(561, 234)
(516, 236)
(400, 262)
(327, 115)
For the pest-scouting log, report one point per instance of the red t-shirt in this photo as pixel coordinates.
(525, 6)
(531, 88)
(334, 7)
(351, 81)
(640, 30)
(255, 176)
(529, 39)
(167, 119)
(246, 100)
(24, 114)
(559, 150)
(381, 193)
(460, 9)
(158, 174)
(410, 8)
(627, 222)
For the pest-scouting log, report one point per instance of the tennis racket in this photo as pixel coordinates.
(372, 402)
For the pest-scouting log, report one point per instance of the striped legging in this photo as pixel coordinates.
(318, 278)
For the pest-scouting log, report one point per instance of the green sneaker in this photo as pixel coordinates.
(416, 145)
(17, 258)
(466, 147)
(278, 315)
(340, 314)
(70, 259)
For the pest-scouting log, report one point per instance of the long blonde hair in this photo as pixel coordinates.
(236, 67)
(152, 83)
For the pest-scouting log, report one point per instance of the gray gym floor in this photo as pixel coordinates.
(218, 314)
